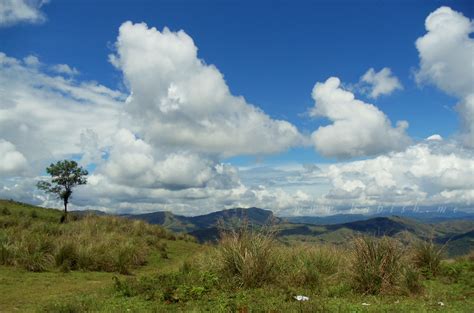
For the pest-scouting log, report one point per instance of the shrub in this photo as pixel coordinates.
(427, 257)
(376, 265)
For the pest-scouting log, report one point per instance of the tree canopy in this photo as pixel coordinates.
(65, 175)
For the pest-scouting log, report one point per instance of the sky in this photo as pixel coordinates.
(301, 107)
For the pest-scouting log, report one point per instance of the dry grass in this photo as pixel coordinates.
(377, 265)
(310, 265)
(427, 257)
(247, 255)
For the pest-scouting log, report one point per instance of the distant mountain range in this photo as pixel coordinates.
(424, 217)
(180, 223)
(453, 229)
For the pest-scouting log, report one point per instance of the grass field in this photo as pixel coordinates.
(248, 271)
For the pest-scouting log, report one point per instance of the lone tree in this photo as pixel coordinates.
(65, 176)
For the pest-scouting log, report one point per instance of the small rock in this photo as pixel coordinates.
(365, 304)
(441, 303)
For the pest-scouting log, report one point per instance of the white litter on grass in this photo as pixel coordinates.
(301, 298)
(441, 303)
(366, 304)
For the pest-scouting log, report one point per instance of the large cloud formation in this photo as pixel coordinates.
(16, 11)
(165, 146)
(179, 101)
(428, 173)
(446, 54)
(357, 129)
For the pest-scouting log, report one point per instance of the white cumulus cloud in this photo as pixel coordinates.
(446, 54)
(11, 161)
(429, 173)
(357, 128)
(44, 116)
(380, 83)
(177, 100)
(435, 137)
(135, 163)
(65, 69)
(17, 11)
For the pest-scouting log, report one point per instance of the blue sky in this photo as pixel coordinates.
(270, 52)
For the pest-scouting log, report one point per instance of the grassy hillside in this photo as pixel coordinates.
(112, 264)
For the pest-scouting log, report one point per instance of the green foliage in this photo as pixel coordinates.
(176, 287)
(65, 176)
(461, 272)
(6, 211)
(81, 304)
(34, 214)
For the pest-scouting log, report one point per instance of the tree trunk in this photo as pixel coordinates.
(65, 205)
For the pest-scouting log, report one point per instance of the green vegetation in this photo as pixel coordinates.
(112, 264)
(65, 175)
(37, 242)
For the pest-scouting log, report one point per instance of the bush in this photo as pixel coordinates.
(427, 257)
(376, 265)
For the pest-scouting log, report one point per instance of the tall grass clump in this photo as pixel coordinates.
(312, 266)
(247, 255)
(427, 257)
(376, 265)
